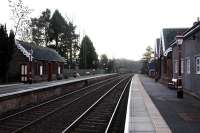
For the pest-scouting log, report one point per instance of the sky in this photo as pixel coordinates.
(118, 28)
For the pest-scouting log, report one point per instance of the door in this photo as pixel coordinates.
(49, 71)
(24, 73)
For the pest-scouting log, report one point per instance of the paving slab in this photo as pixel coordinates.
(142, 115)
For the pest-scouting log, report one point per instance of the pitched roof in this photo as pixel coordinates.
(168, 35)
(189, 32)
(39, 52)
(195, 28)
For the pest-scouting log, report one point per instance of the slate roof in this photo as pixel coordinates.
(41, 53)
(168, 35)
(191, 31)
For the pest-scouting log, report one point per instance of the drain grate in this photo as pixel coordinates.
(190, 117)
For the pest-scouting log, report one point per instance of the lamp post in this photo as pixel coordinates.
(179, 41)
(30, 66)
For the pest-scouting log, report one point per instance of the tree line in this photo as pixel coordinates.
(54, 31)
(7, 45)
(49, 30)
(147, 57)
(57, 32)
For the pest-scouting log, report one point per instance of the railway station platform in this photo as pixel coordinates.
(11, 89)
(16, 96)
(142, 115)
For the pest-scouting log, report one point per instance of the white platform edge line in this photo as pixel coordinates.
(154, 106)
(8, 85)
(126, 129)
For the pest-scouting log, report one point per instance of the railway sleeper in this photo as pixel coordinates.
(78, 130)
(97, 127)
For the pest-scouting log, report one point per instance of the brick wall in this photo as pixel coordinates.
(14, 70)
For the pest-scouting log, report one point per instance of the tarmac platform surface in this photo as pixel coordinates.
(181, 115)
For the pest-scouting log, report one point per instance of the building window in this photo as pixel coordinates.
(188, 65)
(24, 72)
(58, 69)
(197, 65)
(23, 69)
(176, 67)
(45, 68)
(182, 66)
(41, 70)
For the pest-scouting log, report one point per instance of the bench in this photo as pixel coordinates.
(172, 84)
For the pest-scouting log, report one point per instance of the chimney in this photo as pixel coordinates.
(198, 20)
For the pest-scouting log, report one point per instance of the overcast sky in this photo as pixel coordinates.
(119, 28)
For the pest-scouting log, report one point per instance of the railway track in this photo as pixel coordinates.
(101, 116)
(54, 115)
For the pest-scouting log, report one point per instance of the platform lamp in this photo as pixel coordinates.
(30, 65)
(179, 41)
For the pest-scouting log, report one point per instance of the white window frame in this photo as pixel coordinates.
(182, 66)
(58, 69)
(41, 70)
(197, 64)
(187, 60)
(24, 71)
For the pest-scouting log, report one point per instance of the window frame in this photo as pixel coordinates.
(24, 72)
(41, 70)
(59, 70)
(182, 66)
(188, 67)
(197, 65)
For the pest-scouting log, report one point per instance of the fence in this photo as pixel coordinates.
(69, 72)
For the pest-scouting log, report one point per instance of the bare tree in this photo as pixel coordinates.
(20, 18)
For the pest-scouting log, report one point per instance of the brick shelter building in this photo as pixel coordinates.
(35, 63)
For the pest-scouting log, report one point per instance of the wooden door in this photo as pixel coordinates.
(49, 71)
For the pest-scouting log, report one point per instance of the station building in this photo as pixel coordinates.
(167, 59)
(163, 54)
(190, 59)
(32, 63)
